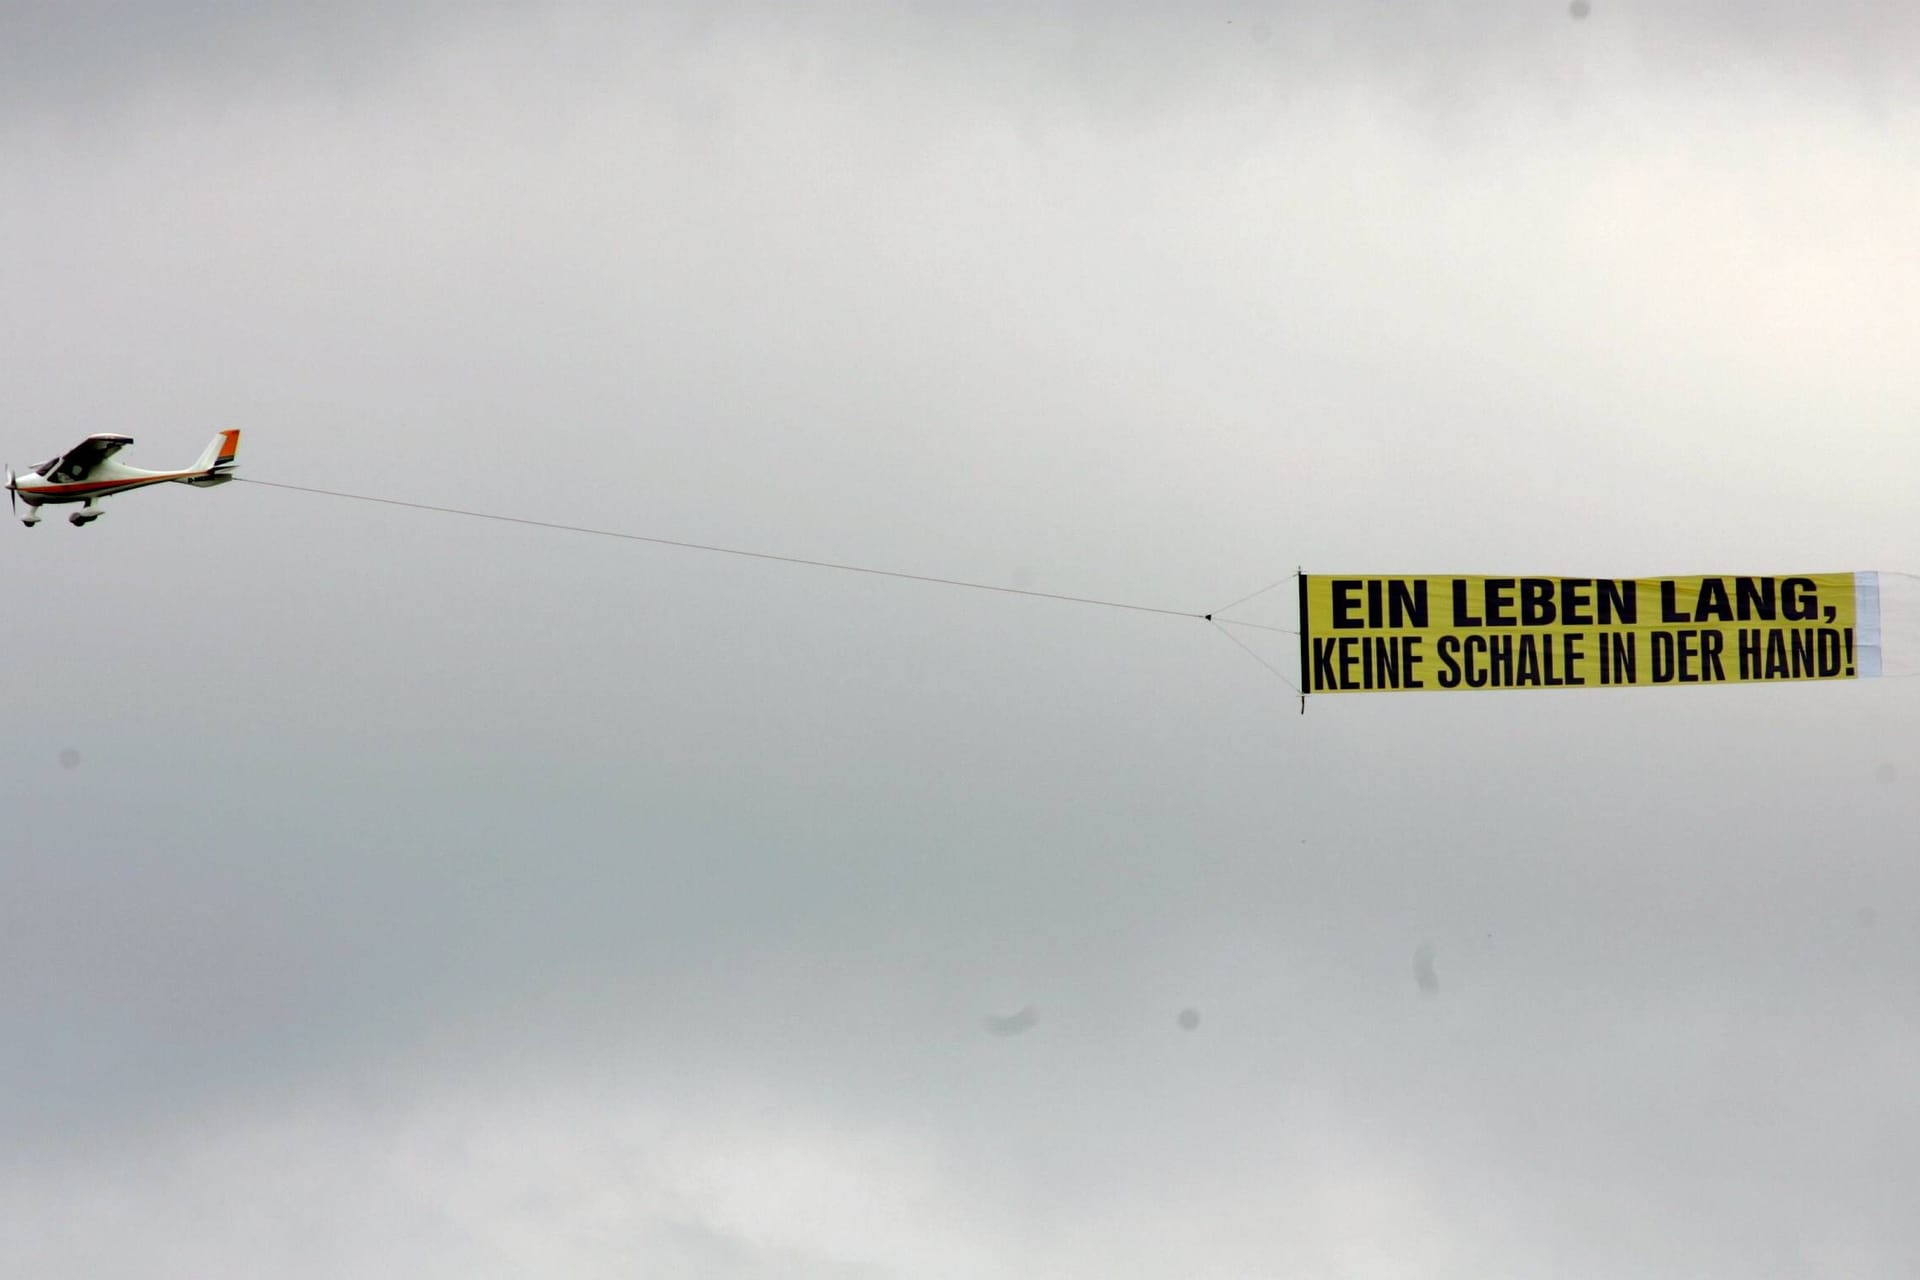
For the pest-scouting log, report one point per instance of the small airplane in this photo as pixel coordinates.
(87, 473)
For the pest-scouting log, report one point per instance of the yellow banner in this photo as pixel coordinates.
(1386, 634)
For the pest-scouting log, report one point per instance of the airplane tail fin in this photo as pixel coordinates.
(215, 464)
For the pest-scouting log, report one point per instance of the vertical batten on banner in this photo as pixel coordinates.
(1866, 621)
(1306, 644)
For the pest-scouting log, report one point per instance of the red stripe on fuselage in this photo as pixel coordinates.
(95, 488)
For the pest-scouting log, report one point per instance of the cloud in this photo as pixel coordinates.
(1125, 61)
(488, 1181)
(440, 894)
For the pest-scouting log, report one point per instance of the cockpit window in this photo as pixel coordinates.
(46, 468)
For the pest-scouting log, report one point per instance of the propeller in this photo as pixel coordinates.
(13, 491)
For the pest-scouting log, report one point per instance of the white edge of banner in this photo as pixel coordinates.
(1866, 623)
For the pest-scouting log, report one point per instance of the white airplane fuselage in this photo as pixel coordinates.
(108, 478)
(53, 483)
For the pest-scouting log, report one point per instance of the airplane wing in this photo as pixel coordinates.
(80, 460)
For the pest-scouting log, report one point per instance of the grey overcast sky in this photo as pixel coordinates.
(390, 894)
